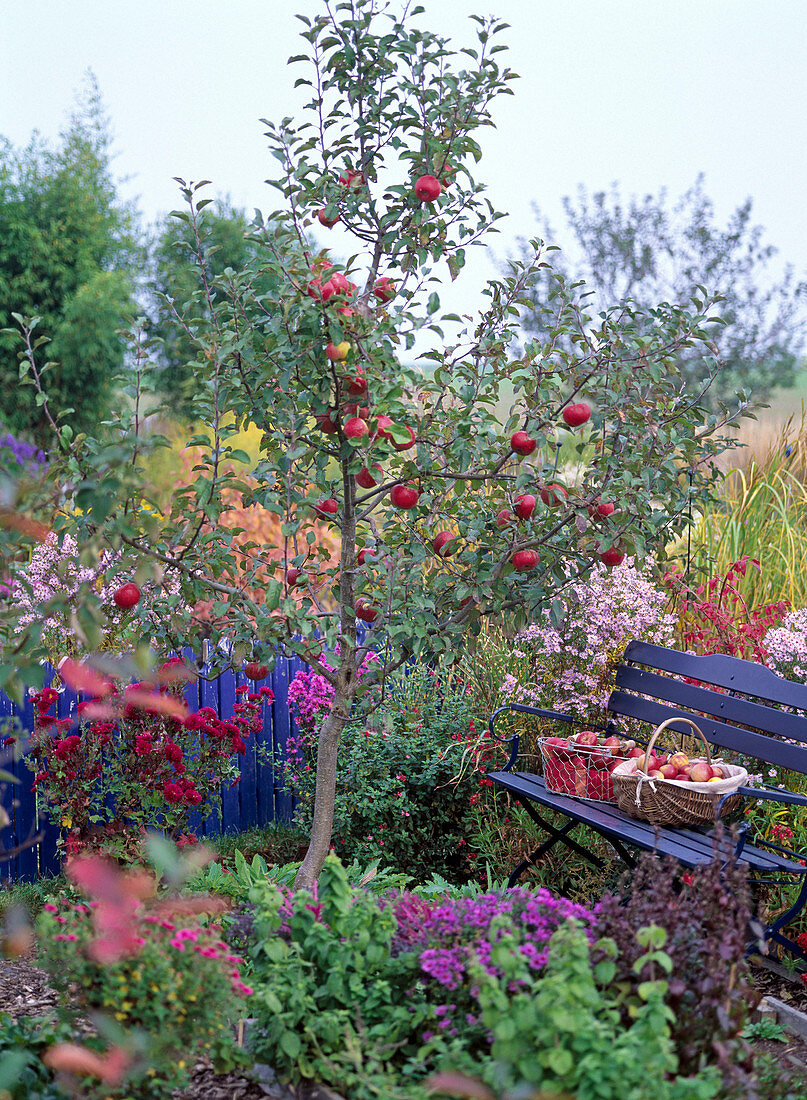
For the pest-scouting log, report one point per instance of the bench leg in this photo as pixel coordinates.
(773, 931)
(561, 834)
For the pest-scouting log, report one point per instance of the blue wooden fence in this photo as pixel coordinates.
(260, 797)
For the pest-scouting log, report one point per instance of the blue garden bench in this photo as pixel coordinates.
(734, 702)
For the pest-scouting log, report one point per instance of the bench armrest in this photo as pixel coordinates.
(773, 793)
(520, 708)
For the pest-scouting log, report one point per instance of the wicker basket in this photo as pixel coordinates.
(580, 771)
(668, 802)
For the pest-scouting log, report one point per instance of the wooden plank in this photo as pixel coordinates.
(204, 819)
(27, 819)
(733, 673)
(265, 770)
(284, 670)
(12, 792)
(756, 745)
(230, 801)
(248, 786)
(728, 708)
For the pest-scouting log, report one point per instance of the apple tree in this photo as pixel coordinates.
(440, 478)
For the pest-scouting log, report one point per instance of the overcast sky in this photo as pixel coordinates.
(648, 94)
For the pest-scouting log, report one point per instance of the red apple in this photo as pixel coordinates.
(353, 408)
(352, 179)
(382, 424)
(601, 508)
(680, 760)
(682, 777)
(366, 611)
(553, 495)
(505, 518)
(365, 479)
(635, 752)
(384, 289)
(612, 742)
(522, 444)
(323, 219)
(356, 428)
(428, 188)
(586, 737)
(294, 577)
(362, 555)
(254, 671)
(718, 773)
(409, 443)
(575, 415)
(127, 596)
(700, 772)
(669, 771)
(654, 773)
(525, 505)
(327, 422)
(337, 352)
(524, 560)
(404, 496)
(328, 506)
(441, 543)
(612, 556)
(356, 385)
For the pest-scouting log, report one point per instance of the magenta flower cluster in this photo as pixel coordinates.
(310, 695)
(455, 937)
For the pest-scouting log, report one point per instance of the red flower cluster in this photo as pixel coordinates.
(137, 758)
(717, 619)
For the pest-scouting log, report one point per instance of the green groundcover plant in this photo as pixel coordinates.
(371, 994)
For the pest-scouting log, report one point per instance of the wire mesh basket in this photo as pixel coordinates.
(580, 769)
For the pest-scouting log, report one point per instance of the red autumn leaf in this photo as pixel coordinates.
(72, 1058)
(457, 1084)
(80, 677)
(155, 703)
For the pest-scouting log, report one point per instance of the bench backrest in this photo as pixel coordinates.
(667, 675)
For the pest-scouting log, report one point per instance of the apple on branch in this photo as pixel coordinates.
(575, 415)
(384, 289)
(441, 543)
(356, 428)
(329, 221)
(522, 444)
(524, 561)
(337, 353)
(404, 496)
(428, 188)
(365, 478)
(525, 505)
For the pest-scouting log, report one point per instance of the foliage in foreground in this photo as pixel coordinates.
(371, 994)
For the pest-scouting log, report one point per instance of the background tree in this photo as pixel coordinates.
(653, 250)
(179, 310)
(446, 508)
(67, 248)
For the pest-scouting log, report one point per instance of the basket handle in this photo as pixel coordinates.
(641, 763)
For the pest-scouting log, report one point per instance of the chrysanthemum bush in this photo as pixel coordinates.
(136, 759)
(409, 771)
(162, 987)
(786, 646)
(566, 662)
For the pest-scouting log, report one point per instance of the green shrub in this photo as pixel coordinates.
(406, 783)
(23, 1076)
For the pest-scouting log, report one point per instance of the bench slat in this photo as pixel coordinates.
(727, 708)
(758, 745)
(691, 847)
(733, 673)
